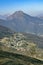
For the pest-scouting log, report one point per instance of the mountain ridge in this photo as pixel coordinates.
(22, 22)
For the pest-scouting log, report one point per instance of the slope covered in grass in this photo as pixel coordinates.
(7, 58)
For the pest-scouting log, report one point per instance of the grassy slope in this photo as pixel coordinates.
(7, 58)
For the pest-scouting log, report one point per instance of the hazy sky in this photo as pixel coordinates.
(29, 6)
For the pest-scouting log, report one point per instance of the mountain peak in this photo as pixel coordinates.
(16, 15)
(20, 12)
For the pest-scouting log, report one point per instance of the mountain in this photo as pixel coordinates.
(5, 32)
(3, 28)
(2, 17)
(21, 47)
(22, 22)
(40, 15)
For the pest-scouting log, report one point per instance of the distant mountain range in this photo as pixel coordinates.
(22, 22)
